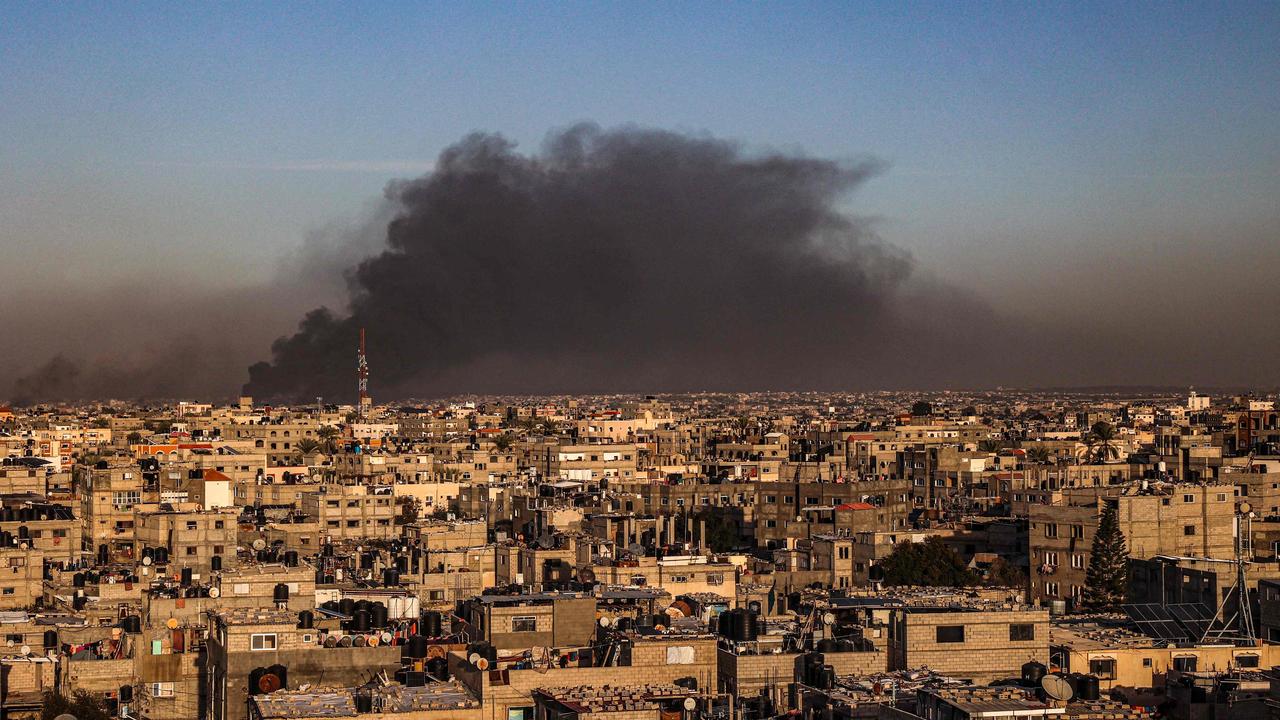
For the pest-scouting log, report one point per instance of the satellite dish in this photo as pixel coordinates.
(171, 623)
(482, 664)
(214, 592)
(146, 560)
(1057, 687)
(26, 650)
(829, 619)
(690, 704)
(605, 621)
(1245, 508)
(474, 658)
(259, 544)
(65, 716)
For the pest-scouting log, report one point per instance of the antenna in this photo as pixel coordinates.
(362, 380)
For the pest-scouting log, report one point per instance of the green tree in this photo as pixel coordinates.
(723, 534)
(1107, 580)
(1038, 455)
(990, 445)
(1003, 573)
(930, 563)
(920, 408)
(1101, 440)
(134, 437)
(504, 442)
(306, 446)
(81, 705)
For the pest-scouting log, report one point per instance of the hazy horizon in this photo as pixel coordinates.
(1082, 195)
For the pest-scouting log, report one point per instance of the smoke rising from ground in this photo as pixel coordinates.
(611, 259)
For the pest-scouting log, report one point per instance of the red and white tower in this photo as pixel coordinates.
(362, 381)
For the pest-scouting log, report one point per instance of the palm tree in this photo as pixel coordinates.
(503, 442)
(1038, 455)
(327, 435)
(1101, 440)
(990, 445)
(306, 446)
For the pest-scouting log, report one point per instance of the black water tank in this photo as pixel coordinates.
(726, 623)
(378, 615)
(365, 605)
(828, 678)
(77, 580)
(215, 563)
(828, 645)
(126, 694)
(131, 624)
(346, 606)
(280, 593)
(148, 553)
(364, 703)
(360, 621)
(1032, 673)
(306, 620)
(291, 558)
(162, 555)
(438, 668)
(431, 624)
(390, 577)
(186, 576)
(415, 648)
(50, 639)
(1088, 688)
(78, 602)
(750, 626)
(402, 564)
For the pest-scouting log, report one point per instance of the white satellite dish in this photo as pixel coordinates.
(605, 621)
(146, 561)
(829, 619)
(259, 544)
(26, 650)
(474, 658)
(690, 704)
(1057, 687)
(214, 592)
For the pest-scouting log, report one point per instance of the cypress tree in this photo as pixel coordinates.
(1107, 579)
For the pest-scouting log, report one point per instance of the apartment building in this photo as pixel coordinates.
(1165, 519)
(195, 538)
(350, 511)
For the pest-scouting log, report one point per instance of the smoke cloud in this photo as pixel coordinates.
(612, 259)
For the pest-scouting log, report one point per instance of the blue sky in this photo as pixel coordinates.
(206, 140)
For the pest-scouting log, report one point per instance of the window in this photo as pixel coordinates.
(1078, 561)
(679, 579)
(1077, 531)
(950, 633)
(1146, 662)
(125, 498)
(1247, 661)
(520, 713)
(191, 524)
(218, 524)
(1051, 530)
(262, 641)
(1051, 589)
(1021, 632)
(1185, 663)
(1051, 559)
(524, 623)
(1104, 668)
(9, 591)
(1188, 529)
(191, 550)
(1188, 498)
(162, 690)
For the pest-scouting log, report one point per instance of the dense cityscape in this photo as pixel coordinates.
(718, 555)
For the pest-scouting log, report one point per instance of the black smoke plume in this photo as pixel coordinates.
(618, 259)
